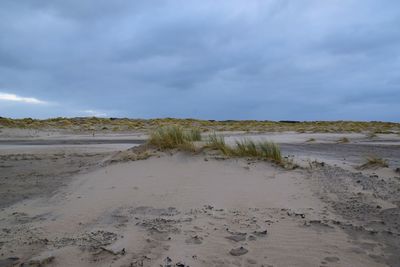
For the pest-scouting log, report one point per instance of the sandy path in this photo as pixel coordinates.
(183, 210)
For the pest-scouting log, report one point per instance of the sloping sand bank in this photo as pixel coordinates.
(179, 210)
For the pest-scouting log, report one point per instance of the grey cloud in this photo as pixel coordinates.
(220, 60)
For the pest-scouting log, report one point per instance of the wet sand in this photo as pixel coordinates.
(180, 209)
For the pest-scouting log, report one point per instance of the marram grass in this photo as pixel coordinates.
(218, 143)
(246, 148)
(374, 162)
(169, 137)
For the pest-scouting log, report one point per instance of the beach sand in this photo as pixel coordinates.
(86, 205)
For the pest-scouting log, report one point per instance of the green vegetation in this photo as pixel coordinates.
(124, 124)
(311, 140)
(194, 134)
(374, 162)
(169, 137)
(217, 142)
(246, 148)
(271, 151)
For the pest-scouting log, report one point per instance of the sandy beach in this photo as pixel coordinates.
(200, 133)
(67, 201)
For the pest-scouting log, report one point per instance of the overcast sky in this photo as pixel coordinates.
(267, 59)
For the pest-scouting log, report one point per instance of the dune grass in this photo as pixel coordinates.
(246, 148)
(271, 151)
(374, 162)
(126, 124)
(193, 134)
(170, 137)
(218, 143)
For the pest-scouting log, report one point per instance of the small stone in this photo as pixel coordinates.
(260, 233)
(238, 251)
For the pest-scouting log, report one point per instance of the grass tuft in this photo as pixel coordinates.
(169, 137)
(246, 148)
(194, 134)
(218, 143)
(271, 151)
(374, 162)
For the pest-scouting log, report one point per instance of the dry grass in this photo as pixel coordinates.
(125, 124)
(374, 162)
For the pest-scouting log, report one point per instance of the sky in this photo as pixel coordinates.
(264, 60)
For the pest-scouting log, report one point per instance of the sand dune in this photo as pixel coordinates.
(182, 209)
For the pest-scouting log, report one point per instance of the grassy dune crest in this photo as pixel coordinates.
(169, 137)
(246, 148)
(126, 124)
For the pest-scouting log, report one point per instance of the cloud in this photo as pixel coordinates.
(16, 98)
(94, 113)
(261, 59)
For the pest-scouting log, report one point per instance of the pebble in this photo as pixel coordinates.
(260, 233)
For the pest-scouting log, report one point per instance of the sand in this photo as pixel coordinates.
(182, 209)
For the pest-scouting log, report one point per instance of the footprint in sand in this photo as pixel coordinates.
(331, 259)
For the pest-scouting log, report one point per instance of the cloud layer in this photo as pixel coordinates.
(16, 98)
(272, 59)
